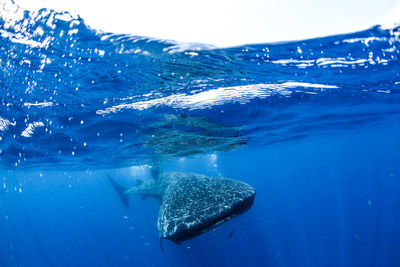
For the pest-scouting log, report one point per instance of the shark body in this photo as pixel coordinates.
(190, 203)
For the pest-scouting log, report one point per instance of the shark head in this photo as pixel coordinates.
(193, 204)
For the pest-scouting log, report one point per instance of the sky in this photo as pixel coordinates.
(227, 22)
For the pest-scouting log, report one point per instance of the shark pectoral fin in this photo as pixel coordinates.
(177, 242)
(120, 191)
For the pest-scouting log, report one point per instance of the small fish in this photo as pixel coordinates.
(231, 234)
(161, 245)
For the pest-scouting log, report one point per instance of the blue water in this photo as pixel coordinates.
(313, 125)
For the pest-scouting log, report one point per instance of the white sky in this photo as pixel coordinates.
(228, 22)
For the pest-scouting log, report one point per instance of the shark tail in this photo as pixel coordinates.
(120, 191)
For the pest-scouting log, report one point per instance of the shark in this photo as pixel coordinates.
(190, 203)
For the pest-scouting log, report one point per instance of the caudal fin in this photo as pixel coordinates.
(120, 191)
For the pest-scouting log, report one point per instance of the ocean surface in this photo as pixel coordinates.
(313, 125)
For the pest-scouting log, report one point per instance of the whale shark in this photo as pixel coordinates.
(190, 203)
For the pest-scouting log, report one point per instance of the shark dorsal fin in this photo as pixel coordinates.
(155, 172)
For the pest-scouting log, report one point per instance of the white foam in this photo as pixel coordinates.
(28, 132)
(207, 99)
